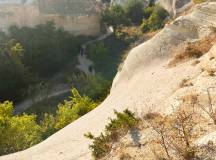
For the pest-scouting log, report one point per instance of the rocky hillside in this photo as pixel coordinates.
(145, 82)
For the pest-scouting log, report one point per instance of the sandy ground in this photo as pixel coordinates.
(145, 82)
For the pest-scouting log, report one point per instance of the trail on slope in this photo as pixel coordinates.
(61, 88)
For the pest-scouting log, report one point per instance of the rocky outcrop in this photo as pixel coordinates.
(145, 82)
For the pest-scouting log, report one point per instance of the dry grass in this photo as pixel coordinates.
(211, 72)
(192, 50)
(185, 83)
(125, 156)
(175, 134)
(199, 1)
(194, 63)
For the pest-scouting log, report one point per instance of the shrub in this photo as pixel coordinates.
(98, 53)
(115, 16)
(134, 10)
(114, 130)
(155, 18)
(47, 48)
(128, 35)
(17, 132)
(176, 134)
(48, 125)
(14, 76)
(72, 109)
(93, 86)
(193, 50)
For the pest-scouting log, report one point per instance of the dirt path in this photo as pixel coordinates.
(62, 88)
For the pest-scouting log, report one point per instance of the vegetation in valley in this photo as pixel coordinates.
(133, 13)
(31, 55)
(15, 132)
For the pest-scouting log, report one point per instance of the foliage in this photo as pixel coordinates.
(115, 16)
(48, 125)
(72, 109)
(134, 10)
(17, 132)
(155, 18)
(14, 76)
(93, 86)
(28, 55)
(98, 53)
(128, 34)
(47, 49)
(114, 130)
(107, 67)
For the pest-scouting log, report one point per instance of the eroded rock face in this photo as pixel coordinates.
(173, 6)
(145, 82)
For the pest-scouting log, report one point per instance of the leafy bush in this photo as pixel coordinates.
(134, 10)
(48, 125)
(98, 53)
(93, 86)
(155, 19)
(128, 35)
(17, 132)
(115, 16)
(47, 49)
(117, 127)
(67, 112)
(28, 55)
(14, 76)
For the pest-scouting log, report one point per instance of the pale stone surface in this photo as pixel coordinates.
(145, 82)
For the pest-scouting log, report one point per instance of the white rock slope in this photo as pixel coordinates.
(144, 82)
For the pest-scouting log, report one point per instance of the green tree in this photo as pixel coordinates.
(17, 132)
(98, 53)
(47, 48)
(115, 16)
(134, 10)
(14, 76)
(94, 86)
(72, 109)
(155, 18)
